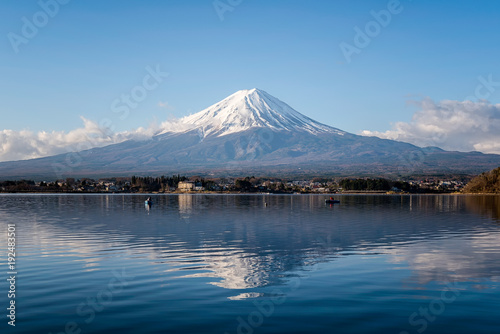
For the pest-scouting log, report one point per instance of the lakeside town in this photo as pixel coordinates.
(196, 184)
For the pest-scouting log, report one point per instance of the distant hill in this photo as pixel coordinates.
(488, 182)
(252, 133)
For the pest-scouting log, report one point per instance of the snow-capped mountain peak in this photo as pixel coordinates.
(248, 109)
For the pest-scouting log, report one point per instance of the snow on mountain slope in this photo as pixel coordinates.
(251, 133)
(248, 109)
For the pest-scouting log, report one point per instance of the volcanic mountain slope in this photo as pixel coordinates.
(249, 109)
(252, 132)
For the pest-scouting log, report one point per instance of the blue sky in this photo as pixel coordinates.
(92, 52)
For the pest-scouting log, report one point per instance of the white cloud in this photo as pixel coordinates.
(452, 259)
(25, 144)
(165, 105)
(451, 125)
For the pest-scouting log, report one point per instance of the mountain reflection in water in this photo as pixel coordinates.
(191, 255)
(241, 243)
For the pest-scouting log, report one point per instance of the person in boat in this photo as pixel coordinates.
(331, 198)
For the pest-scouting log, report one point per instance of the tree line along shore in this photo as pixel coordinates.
(488, 182)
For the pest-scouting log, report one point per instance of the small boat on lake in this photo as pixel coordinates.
(331, 200)
(148, 203)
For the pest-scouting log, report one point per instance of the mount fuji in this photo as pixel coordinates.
(250, 109)
(252, 132)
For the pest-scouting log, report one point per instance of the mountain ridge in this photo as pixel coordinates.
(252, 132)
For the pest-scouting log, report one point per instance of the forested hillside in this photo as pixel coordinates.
(488, 182)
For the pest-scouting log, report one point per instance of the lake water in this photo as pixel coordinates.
(232, 264)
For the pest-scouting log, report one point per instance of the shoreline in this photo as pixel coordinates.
(379, 193)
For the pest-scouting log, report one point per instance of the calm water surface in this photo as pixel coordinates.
(231, 264)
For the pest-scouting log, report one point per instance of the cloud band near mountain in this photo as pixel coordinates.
(25, 144)
(451, 125)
